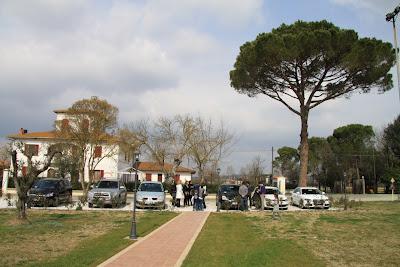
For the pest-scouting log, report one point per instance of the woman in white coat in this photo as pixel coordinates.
(179, 193)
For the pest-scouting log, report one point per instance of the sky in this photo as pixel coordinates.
(162, 58)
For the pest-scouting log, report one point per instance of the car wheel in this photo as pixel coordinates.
(69, 199)
(90, 205)
(226, 205)
(257, 202)
(301, 204)
(56, 202)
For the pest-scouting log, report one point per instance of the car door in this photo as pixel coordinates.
(122, 191)
(61, 190)
(295, 196)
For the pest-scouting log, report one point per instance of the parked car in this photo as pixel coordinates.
(228, 196)
(269, 198)
(150, 195)
(107, 192)
(310, 197)
(50, 192)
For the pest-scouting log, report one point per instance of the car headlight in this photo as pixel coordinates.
(50, 194)
(224, 197)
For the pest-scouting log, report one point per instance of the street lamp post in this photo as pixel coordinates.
(392, 17)
(133, 235)
(218, 172)
(345, 194)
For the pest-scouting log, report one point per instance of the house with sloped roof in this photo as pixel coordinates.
(152, 171)
(118, 164)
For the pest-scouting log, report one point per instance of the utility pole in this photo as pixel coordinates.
(272, 164)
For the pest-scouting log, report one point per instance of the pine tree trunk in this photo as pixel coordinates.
(303, 147)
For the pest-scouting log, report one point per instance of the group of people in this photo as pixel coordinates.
(245, 194)
(192, 195)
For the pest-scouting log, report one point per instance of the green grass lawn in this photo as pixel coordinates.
(70, 238)
(367, 235)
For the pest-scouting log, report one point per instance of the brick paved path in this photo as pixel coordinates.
(166, 246)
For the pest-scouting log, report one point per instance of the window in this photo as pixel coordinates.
(85, 124)
(64, 124)
(97, 175)
(148, 176)
(159, 177)
(31, 149)
(127, 156)
(97, 151)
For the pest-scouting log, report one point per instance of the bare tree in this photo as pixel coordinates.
(209, 144)
(5, 151)
(164, 140)
(256, 169)
(88, 133)
(34, 169)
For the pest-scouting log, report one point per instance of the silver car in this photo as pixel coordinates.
(107, 192)
(150, 195)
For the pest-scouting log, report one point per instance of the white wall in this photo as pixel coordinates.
(39, 159)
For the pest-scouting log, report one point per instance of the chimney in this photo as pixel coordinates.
(23, 131)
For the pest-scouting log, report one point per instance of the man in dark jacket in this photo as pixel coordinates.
(243, 192)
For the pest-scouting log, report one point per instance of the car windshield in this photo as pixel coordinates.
(45, 184)
(107, 184)
(271, 191)
(151, 187)
(230, 188)
(310, 191)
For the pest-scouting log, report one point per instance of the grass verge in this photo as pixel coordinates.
(367, 235)
(70, 238)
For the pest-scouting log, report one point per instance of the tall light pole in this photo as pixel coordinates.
(392, 17)
(133, 235)
(218, 172)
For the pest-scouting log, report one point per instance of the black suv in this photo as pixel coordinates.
(228, 196)
(50, 192)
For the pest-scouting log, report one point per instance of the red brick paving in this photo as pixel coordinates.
(166, 246)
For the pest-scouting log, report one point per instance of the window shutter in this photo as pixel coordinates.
(97, 151)
(64, 124)
(101, 173)
(24, 170)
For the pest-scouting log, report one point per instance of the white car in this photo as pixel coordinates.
(150, 195)
(310, 197)
(270, 198)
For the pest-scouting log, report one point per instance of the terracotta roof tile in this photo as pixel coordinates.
(152, 166)
(33, 135)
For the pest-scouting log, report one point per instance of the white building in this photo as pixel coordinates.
(118, 164)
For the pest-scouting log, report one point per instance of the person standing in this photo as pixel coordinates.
(204, 187)
(186, 194)
(179, 193)
(262, 191)
(243, 192)
(275, 211)
(191, 193)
